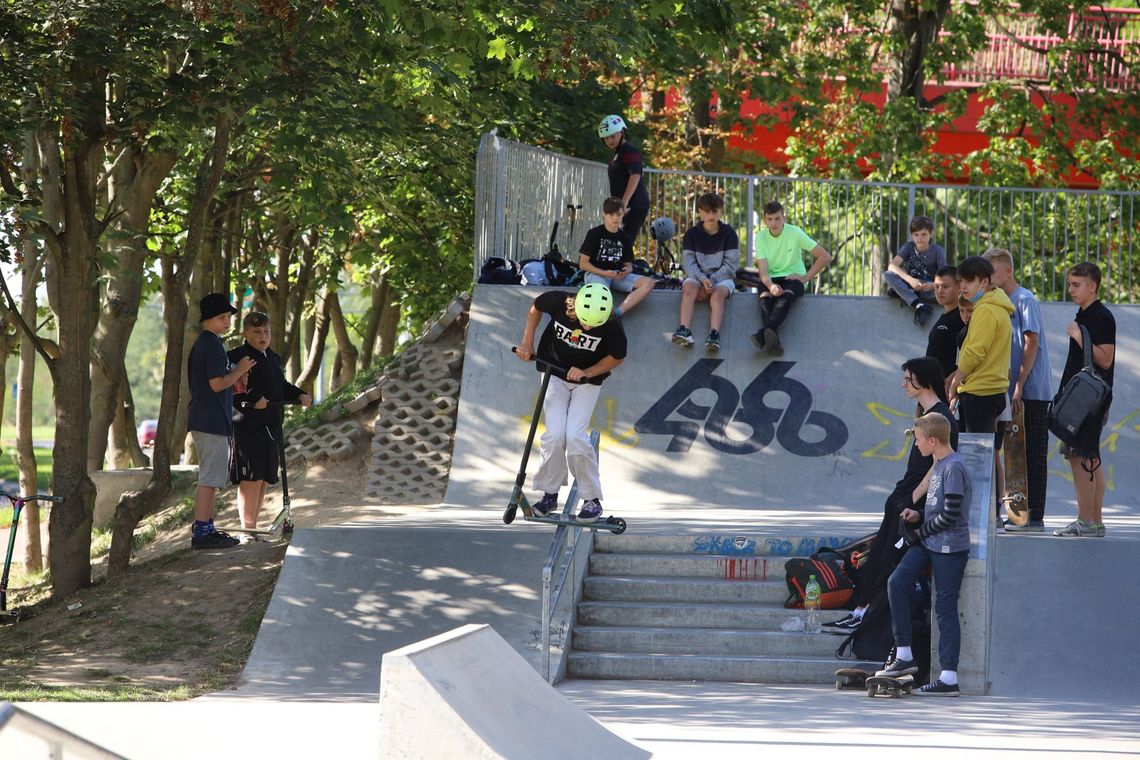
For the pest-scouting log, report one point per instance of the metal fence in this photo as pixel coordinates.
(522, 190)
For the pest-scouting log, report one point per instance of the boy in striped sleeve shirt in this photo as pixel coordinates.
(939, 539)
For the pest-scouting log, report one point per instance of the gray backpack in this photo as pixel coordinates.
(1080, 400)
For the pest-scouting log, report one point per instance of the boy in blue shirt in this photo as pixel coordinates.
(939, 540)
(910, 275)
(210, 416)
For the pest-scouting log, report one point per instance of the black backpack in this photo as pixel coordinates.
(873, 641)
(499, 271)
(1081, 401)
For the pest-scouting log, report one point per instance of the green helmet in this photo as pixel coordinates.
(593, 304)
(611, 125)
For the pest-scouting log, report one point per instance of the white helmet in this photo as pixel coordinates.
(662, 229)
(611, 125)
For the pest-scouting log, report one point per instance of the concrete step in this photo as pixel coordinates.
(725, 616)
(728, 544)
(700, 641)
(676, 589)
(680, 667)
(689, 565)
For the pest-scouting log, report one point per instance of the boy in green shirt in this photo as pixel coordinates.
(780, 263)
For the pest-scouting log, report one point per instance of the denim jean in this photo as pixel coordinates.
(948, 570)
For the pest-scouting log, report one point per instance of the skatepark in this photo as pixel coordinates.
(705, 450)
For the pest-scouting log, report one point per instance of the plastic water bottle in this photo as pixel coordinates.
(811, 605)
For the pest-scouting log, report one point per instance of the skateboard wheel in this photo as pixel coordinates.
(509, 515)
(871, 691)
(620, 523)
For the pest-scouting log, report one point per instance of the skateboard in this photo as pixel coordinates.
(1016, 485)
(852, 678)
(518, 498)
(885, 686)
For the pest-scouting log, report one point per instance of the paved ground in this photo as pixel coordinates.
(682, 454)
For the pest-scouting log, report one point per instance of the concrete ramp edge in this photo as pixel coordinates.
(467, 693)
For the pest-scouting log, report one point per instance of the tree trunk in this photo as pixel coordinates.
(294, 318)
(389, 328)
(317, 344)
(133, 184)
(380, 289)
(123, 442)
(345, 350)
(134, 506)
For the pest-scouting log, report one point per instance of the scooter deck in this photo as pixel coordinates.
(613, 524)
(886, 686)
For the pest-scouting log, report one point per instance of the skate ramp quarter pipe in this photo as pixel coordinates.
(467, 693)
(819, 430)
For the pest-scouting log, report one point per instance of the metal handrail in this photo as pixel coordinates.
(562, 549)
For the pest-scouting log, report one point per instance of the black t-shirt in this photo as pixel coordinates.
(267, 378)
(566, 343)
(626, 161)
(943, 341)
(1100, 323)
(916, 464)
(607, 250)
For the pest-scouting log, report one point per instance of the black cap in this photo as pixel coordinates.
(213, 304)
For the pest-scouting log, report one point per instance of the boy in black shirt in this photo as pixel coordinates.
(583, 344)
(943, 341)
(1084, 454)
(606, 257)
(625, 172)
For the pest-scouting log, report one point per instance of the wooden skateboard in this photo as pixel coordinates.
(852, 678)
(1016, 497)
(885, 686)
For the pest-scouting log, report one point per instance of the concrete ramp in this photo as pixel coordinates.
(467, 693)
(817, 434)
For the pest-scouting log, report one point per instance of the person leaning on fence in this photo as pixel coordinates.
(210, 415)
(626, 173)
(939, 541)
(711, 255)
(780, 263)
(910, 274)
(258, 418)
(942, 343)
(923, 383)
(1084, 453)
(1029, 391)
(606, 258)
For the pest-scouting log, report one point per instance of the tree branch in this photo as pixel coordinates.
(14, 310)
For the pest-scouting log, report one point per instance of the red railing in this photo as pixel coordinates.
(1019, 48)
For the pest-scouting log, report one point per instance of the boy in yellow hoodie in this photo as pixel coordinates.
(981, 381)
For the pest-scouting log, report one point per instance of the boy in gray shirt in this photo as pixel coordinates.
(910, 274)
(939, 540)
(711, 256)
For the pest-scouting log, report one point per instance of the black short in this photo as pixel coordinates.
(255, 454)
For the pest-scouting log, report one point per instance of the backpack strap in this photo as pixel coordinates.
(1087, 342)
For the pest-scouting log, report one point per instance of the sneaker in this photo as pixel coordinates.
(591, 510)
(896, 667)
(844, 625)
(683, 336)
(1033, 526)
(213, 540)
(922, 314)
(757, 339)
(1078, 528)
(547, 504)
(1099, 529)
(937, 689)
(712, 343)
(772, 341)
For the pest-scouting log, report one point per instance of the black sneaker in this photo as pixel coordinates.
(937, 689)
(547, 504)
(213, 540)
(896, 667)
(683, 336)
(922, 314)
(844, 625)
(712, 343)
(772, 341)
(757, 339)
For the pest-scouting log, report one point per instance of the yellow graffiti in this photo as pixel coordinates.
(883, 414)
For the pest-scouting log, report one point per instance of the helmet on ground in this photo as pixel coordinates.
(662, 229)
(593, 304)
(611, 125)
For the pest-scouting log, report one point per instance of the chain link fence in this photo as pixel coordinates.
(522, 190)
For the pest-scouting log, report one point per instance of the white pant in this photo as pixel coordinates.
(566, 443)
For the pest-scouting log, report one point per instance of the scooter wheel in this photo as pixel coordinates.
(509, 515)
(620, 523)
(287, 528)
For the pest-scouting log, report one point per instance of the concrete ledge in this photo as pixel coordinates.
(110, 485)
(467, 693)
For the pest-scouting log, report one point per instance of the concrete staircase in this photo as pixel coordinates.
(703, 608)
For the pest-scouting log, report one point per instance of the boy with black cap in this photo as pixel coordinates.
(210, 416)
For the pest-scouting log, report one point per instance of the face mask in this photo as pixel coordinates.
(977, 296)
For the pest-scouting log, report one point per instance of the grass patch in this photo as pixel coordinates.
(364, 379)
(100, 693)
